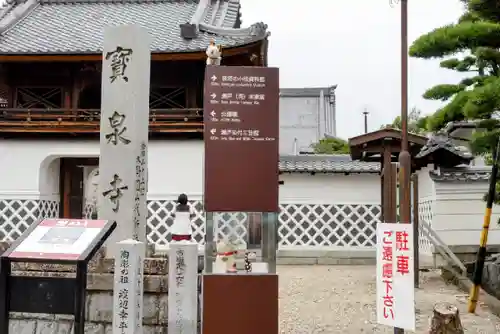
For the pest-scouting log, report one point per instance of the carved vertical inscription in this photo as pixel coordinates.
(140, 187)
(124, 132)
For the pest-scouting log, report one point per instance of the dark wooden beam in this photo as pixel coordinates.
(98, 57)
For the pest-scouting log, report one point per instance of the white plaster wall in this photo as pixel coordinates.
(330, 189)
(174, 167)
(30, 169)
(459, 211)
(426, 187)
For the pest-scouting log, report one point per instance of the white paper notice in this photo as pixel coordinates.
(395, 285)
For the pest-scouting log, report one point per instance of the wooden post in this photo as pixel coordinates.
(446, 320)
(390, 184)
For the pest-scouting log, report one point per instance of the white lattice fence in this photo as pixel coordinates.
(299, 224)
(229, 225)
(328, 225)
(425, 212)
(17, 215)
(311, 225)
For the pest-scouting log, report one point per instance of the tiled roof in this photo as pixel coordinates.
(325, 164)
(442, 142)
(461, 175)
(77, 26)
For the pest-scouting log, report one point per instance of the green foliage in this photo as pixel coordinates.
(416, 122)
(331, 146)
(469, 46)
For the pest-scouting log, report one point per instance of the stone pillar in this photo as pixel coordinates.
(128, 288)
(183, 288)
(124, 132)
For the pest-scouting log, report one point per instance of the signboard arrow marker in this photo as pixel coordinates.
(213, 131)
(213, 95)
(213, 113)
(214, 78)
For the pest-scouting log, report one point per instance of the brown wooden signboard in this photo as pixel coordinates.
(241, 113)
(240, 304)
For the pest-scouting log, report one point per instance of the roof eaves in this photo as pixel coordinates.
(230, 14)
(14, 13)
(257, 31)
(200, 12)
(326, 164)
(461, 175)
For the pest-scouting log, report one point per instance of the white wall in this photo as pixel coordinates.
(426, 186)
(459, 211)
(330, 189)
(30, 169)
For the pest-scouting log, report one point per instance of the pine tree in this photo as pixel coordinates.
(469, 46)
(477, 97)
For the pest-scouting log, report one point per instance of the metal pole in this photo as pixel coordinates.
(416, 232)
(366, 120)
(404, 156)
(481, 253)
(209, 242)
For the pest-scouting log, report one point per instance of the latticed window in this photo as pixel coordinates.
(39, 97)
(168, 98)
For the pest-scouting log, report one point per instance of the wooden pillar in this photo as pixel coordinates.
(71, 189)
(381, 187)
(65, 184)
(67, 98)
(75, 92)
(191, 96)
(389, 208)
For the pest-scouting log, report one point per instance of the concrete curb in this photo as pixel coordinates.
(465, 285)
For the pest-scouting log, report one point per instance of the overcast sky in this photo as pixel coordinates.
(353, 44)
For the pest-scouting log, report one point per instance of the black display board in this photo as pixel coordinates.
(51, 241)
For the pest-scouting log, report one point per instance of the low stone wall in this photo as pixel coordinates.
(99, 303)
(99, 310)
(326, 257)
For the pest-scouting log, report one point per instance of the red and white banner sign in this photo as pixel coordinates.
(395, 280)
(59, 239)
(74, 223)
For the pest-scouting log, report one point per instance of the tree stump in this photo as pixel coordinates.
(446, 320)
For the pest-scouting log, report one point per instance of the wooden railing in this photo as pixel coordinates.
(88, 120)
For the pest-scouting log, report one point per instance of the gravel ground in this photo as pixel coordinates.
(341, 299)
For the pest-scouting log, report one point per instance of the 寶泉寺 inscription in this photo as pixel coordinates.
(241, 129)
(116, 122)
(115, 192)
(120, 58)
(124, 132)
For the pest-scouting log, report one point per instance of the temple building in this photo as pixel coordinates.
(50, 86)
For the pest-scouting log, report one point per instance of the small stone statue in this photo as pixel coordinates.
(214, 53)
(181, 228)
